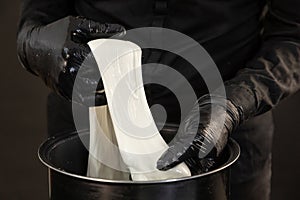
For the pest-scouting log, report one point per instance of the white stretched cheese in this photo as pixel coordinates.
(138, 138)
(104, 147)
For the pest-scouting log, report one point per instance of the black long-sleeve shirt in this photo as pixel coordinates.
(257, 54)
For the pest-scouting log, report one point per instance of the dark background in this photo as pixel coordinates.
(23, 127)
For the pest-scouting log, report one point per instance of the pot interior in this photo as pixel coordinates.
(68, 153)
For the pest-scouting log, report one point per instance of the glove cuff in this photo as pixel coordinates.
(243, 99)
(234, 114)
(21, 49)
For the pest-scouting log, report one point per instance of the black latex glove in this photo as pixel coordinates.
(199, 143)
(55, 52)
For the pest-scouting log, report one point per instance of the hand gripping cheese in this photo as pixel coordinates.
(139, 141)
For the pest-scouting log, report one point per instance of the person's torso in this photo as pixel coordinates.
(229, 30)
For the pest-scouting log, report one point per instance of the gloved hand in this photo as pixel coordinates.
(200, 141)
(55, 52)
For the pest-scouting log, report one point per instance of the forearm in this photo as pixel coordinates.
(274, 73)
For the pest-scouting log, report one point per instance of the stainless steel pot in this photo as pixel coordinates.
(66, 159)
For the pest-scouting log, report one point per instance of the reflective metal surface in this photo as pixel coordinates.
(66, 157)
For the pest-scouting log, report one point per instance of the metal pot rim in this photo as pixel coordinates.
(233, 147)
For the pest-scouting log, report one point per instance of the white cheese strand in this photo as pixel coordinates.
(103, 147)
(138, 138)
